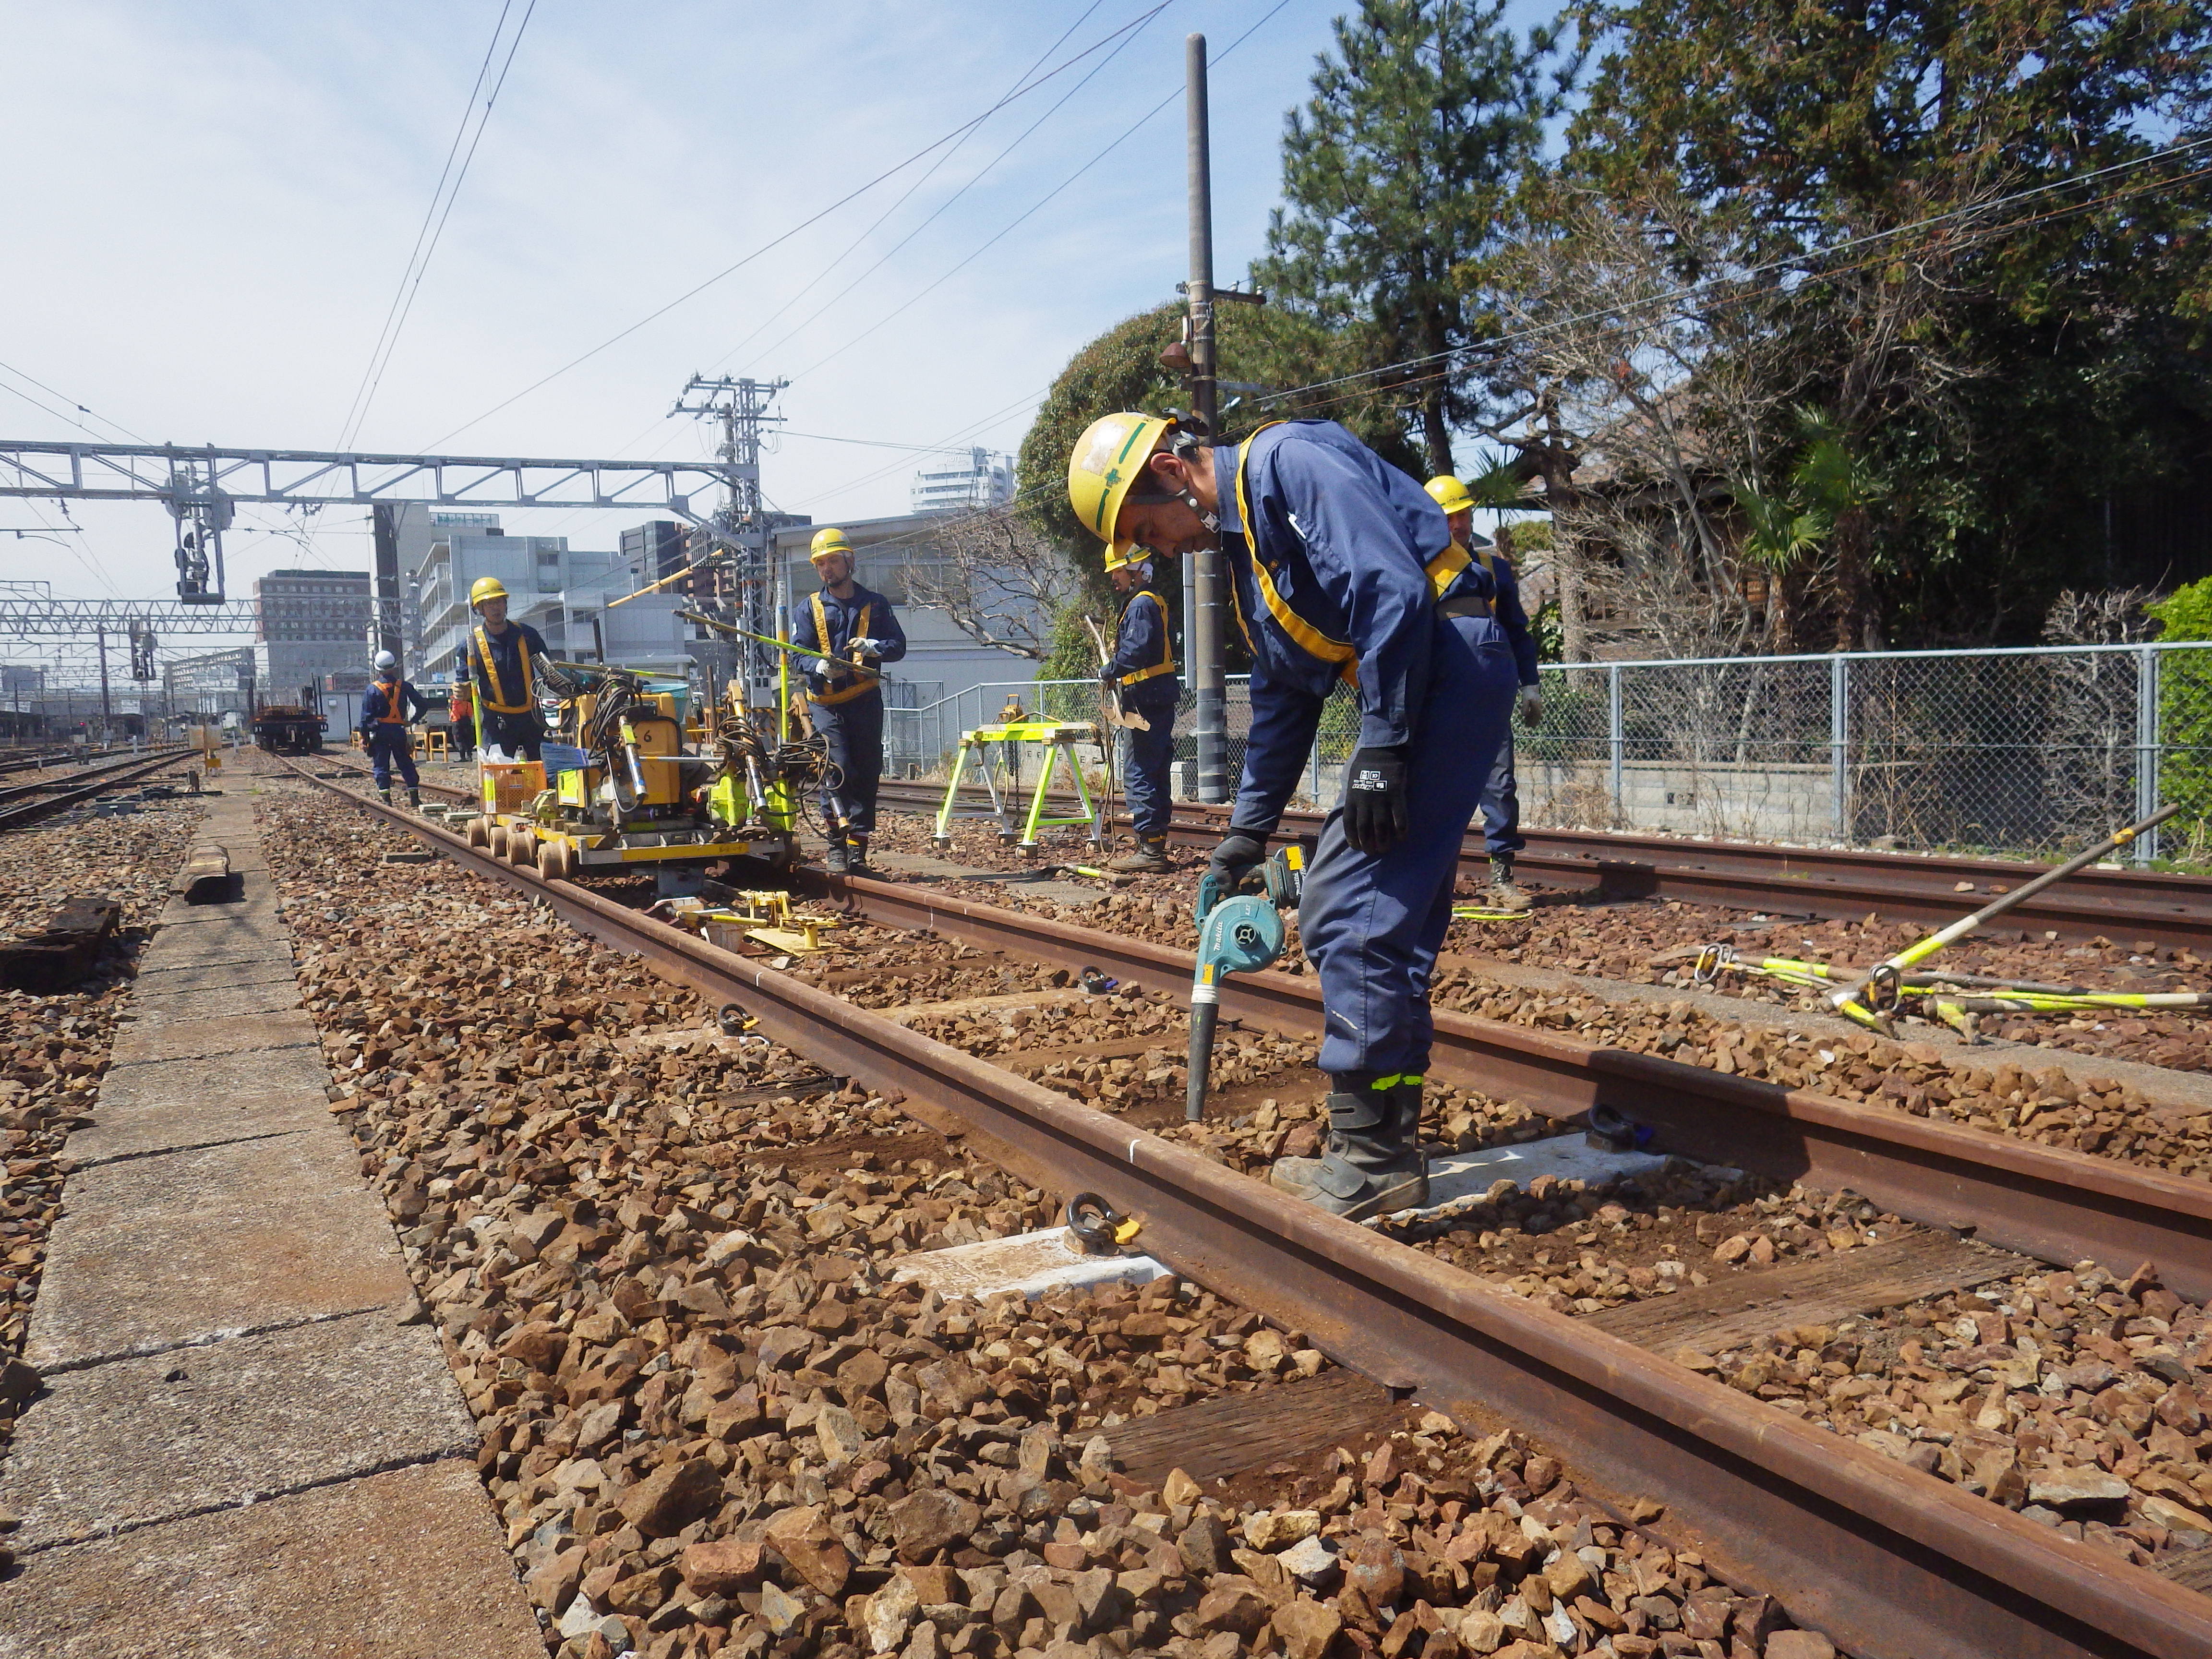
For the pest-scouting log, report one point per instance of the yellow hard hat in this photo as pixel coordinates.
(1449, 493)
(485, 588)
(1108, 458)
(827, 542)
(1127, 554)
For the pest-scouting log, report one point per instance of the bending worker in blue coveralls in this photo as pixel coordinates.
(1142, 673)
(856, 627)
(1501, 794)
(1340, 568)
(386, 707)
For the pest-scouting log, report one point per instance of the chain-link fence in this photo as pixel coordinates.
(2023, 752)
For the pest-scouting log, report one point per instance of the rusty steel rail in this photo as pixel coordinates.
(1839, 883)
(28, 804)
(1890, 1563)
(2063, 1207)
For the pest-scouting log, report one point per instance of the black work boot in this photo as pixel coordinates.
(1371, 1164)
(385, 795)
(840, 856)
(856, 854)
(415, 798)
(1149, 857)
(1503, 893)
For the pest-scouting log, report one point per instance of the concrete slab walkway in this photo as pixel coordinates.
(239, 1449)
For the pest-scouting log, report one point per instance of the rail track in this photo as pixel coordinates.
(28, 803)
(1888, 1561)
(1842, 883)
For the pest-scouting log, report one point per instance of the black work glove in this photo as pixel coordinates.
(1375, 800)
(1106, 676)
(1240, 853)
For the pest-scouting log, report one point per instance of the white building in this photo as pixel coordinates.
(309, 625)
(979, 478)
(561, 591)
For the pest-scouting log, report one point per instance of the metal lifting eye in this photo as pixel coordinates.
(1098, 1226)
(734, 1020)
(1884, 986)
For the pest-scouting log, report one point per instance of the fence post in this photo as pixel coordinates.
(1617, 738)
(2147, 750)
(1840, 740)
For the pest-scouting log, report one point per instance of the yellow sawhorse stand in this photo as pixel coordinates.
(979, 748)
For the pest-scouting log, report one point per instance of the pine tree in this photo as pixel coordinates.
(1398, 180)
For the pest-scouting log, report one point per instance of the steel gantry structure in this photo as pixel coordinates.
(200, 485)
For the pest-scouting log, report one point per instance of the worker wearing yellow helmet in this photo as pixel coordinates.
(857, 630)
(1326, 549)
(503, 659)
(1140, 676)
(1501, 795)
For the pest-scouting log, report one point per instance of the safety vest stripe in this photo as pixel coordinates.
(1308, 639)
(1166, 666)
(1444, 569)
(822, 640)
(395, 701)
(495, 697)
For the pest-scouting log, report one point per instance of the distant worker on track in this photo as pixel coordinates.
(502, 658)
(385, 708)
(461, 737)
(1501, 793)
(847, 621)
(1142, 672)
(1339, 568)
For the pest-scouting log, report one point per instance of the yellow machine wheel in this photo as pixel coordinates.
(475, 831)
(522, 847)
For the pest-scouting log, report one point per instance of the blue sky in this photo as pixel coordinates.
(212, 203)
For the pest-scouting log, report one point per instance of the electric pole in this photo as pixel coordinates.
(384, 526)
(741, 530)
(1202, 572)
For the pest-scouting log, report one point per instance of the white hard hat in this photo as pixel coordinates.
(386, 659)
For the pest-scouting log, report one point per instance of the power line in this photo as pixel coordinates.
(58, 414)
(1772, 267)
(777, 241)
(1019, 138)
(1126, 133)
(905, 196)
(434, 222)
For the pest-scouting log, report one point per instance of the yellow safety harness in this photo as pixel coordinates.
(395, 702)
(1166, 666)
(822, 638)
(1444, 569)
(495, 697)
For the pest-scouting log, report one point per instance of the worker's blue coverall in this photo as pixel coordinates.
(1346, 538)
(848, 712)
(385, 708)
(1501, 795)
(518, 733)
(1140, 652)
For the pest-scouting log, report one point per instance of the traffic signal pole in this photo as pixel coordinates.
(1202, 589)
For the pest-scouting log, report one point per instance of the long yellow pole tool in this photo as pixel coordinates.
(665, 581)
(1857, 1000)
(706, 621)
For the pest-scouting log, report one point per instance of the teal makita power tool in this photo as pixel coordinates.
(1238, 933)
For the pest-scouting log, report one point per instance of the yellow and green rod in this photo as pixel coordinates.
(1852, 999)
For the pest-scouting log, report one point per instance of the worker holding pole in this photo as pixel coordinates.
(1328, 553)
(856, 631)
(1501, 794)
(1142, 677)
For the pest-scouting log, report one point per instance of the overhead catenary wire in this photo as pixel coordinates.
(70, 402)
(778, 240)
(432, 228)
(1796, 262)
(1022, 218)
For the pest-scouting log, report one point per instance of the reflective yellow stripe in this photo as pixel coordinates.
(494, 692)
(1308, 639)
(1157, 669)
(821, 638)
(1444, 569)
